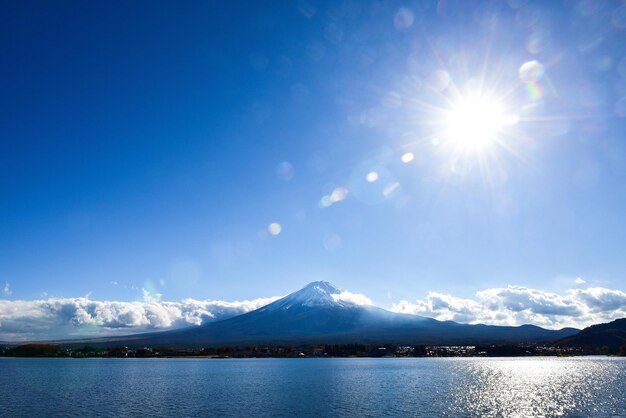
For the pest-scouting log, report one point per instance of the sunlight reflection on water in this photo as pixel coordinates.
(537, 387)
(453, 387)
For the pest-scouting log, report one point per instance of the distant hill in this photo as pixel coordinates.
(611, 335)
(322, 313)
(35, 350)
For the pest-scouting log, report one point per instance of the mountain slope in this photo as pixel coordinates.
(322, 313)
(611, 335)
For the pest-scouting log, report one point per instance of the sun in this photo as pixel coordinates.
(474, 124)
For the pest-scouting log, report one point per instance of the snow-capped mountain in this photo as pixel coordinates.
(319, 294)
(323, 313)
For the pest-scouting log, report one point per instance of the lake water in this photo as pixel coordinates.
(521, 387)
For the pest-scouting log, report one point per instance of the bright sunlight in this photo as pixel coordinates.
(474, 124)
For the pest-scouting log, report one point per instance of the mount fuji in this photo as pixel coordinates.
(322, 313)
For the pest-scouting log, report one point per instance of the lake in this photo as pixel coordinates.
(524, 387)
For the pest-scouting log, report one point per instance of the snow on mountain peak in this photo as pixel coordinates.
(320, 287)
(321, 293)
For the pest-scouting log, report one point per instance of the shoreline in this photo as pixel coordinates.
(319, 357)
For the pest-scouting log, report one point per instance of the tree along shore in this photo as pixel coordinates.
(311, 350)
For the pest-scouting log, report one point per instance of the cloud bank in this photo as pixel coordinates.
(354, 298)
(56, 318)
(518, 305)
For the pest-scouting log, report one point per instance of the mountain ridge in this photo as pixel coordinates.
(610, 336)
(322, 313)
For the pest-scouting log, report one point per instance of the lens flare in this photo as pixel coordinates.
(339, 194)
(407, 157)
(531, 72)
(274, 228)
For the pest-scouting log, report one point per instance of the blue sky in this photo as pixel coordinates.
(148, 145)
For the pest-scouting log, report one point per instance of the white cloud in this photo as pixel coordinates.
(149, 296)
(55, 318)
(518, 305)
(355, 298)
(7, 289)
(579, 280)
(74, 317)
